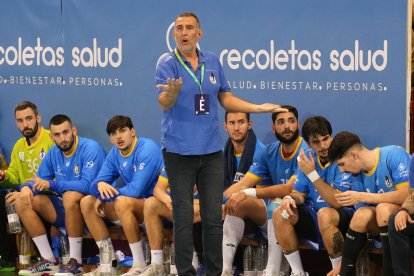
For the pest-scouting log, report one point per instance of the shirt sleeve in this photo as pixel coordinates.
(92, 159)
(147, 171)
(108, 173)
(398, 163)
(301, 184)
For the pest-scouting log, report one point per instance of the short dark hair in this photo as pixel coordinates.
(314, 126)
(117, 122)
(59, 119)
(227, 112)
(289, 108)
(24, 105)
(188, 14)
(341, 143)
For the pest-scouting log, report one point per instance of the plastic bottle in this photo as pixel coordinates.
(259, 260)
(64, 249)
(363, 264)
(173, 268)
(147, 251)
(166, 252)
(248, 261)
(105, 257)
(24, 252)
(13, 219)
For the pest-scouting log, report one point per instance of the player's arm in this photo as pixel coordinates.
(248, 181)
(160, 192)
(278, 190)
(233, 103)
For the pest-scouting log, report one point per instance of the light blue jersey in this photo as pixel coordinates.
(271, 167)
(390, 172)
(74, 172)
(330, 173)
(139, 170)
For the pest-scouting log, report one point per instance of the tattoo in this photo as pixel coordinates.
(338, 244)
(408, 204)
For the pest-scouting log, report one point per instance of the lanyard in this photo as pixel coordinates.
(198, 82)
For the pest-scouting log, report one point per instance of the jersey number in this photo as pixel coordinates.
(33, 165)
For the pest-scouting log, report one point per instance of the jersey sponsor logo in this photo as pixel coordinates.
(42, 154)
(401, 167)
(287, 171)
(388, 182)
(125, 164)
(67, 164)
(21, 156)
(346, 176)
(30, 152)
(76, 169)
(89, 164)
(59, 170)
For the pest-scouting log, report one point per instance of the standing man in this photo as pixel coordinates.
(138, 162)
(26, 157)
(401, 231)
(191, 85)
(380, 188)
(276, 165)
(67, 169)
(311, 211)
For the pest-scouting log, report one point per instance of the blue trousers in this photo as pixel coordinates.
(207, 173)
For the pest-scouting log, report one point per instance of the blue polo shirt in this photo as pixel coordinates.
(182, 131)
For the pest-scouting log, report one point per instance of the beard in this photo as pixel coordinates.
(32, 132)
(287, 140)
(68, 148)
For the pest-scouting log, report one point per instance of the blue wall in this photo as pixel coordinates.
(57, 42)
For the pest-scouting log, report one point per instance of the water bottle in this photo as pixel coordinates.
(24, 252)
(147, 251)
(248, 261)
(363, 264)
(13, 219)
(166, 254)
(64, 249)
(259, 262)
(173, 268)
(105, 257)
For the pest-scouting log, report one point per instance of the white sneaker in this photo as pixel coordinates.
(154, 270)
(268, 273)
(135, 270)
(97, 272)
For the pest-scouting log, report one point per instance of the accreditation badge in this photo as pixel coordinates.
(202, 104)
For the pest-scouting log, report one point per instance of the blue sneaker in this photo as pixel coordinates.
(70, 269)
(43, 267)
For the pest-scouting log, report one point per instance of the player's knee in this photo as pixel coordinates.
(71, 199)
(325, 218)
(383, 213)
(361, 219)
(86, 204)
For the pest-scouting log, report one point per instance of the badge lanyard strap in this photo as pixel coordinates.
(191, 72)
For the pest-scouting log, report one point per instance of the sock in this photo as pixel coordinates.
(75, 248)
(274, 252)
(335, 261)
(233, 228)
(157, 257)
(42, 244)
(56, 245)
(295, 262)
(386, 258)
(195, 262)
(138, 254)
(353, 244)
